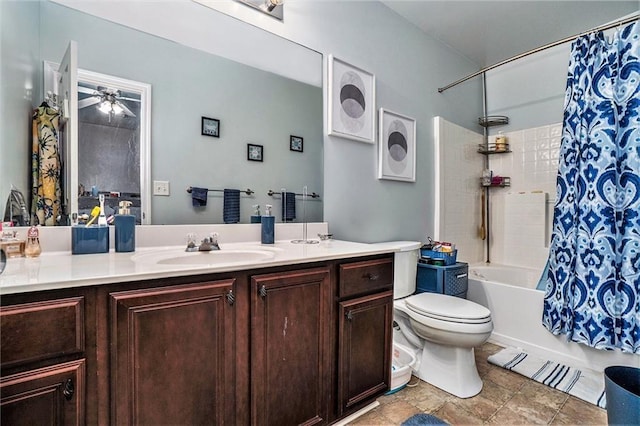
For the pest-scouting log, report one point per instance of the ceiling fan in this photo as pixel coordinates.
(108, 100)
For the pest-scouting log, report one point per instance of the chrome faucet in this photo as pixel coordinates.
(209, 243)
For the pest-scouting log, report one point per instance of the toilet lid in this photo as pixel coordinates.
(448, 308)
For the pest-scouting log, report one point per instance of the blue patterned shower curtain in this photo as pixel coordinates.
(593, 284)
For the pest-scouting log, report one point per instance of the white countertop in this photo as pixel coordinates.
(56, 270)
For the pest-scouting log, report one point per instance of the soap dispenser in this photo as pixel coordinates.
(268, 226)
(32, 248)
(125, 228)
(255, 217)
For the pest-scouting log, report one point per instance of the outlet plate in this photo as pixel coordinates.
(161, 187)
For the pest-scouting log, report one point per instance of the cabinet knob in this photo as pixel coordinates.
(263, 291)
(371, 277)
(349, 315)
(68, 389)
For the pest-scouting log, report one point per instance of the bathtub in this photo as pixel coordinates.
(516, 309)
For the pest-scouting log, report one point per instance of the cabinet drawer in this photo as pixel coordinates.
(365, 277)
(41, 330)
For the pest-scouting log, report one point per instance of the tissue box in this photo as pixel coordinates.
(91, 239)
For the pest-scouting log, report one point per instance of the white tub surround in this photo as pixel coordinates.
(61, 269)
(516, 309)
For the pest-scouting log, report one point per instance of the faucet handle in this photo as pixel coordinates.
(191, 242)
(214, 241)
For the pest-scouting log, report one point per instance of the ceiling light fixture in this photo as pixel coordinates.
(271, 4)
(274, 8)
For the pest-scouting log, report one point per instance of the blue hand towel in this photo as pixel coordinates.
(288, 206)
(199, 196)
(231, 207)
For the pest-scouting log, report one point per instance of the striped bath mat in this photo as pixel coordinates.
(584, 383)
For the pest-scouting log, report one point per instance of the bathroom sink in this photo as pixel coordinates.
(213, 258)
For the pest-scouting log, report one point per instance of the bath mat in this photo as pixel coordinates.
(423, 419)
(583, 383)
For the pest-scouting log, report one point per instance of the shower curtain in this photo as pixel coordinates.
(593, 283)
(46, 189)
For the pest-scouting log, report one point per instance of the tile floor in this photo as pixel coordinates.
(507, 398)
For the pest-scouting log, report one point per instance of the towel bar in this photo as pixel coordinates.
(246, 191)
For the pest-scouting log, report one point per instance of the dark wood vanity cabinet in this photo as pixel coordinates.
(365, 316)
(290, 347)
(173, 355)
(42, 354)
(298, 344)
(45, 396)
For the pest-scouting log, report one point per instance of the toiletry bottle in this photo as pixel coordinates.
(501, 142)
(268, 226)
(32, 248)
(255, 217)
(102, 217)
(125, 228)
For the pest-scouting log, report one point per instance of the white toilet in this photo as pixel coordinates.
(442, 329)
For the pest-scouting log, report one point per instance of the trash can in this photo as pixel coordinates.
(622, 388)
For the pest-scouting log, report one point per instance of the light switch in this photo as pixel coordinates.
(161, 187)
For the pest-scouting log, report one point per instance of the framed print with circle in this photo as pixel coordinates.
(296, 143)
(397, 147)
(351, 110)
(210, 127)
(254, 152)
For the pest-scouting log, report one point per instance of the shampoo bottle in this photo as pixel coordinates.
(268, 226)
(125, 228)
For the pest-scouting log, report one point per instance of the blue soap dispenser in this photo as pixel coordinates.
(255, 217)
(125, 228)
(268, 226)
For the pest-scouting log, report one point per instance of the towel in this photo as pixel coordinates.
(288, 206)
(542, 284)
(231, 207)
(199, 196)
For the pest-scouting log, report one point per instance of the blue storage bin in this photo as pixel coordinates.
(89, 239)
(451, 280)
(449, 258)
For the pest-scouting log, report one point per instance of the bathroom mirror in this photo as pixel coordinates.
(252, 106)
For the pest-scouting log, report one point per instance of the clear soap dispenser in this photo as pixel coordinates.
(32, 248)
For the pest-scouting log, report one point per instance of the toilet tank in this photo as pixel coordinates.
(405, 268)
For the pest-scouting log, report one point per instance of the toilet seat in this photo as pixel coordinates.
(448, 308)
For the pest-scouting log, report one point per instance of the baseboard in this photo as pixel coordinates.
(360, 412)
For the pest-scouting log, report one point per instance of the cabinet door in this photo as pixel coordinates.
(290, 348)
(172, 355)
(47, 396)
(364, 348)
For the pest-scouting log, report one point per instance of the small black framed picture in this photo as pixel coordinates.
(210, 127)
(296, 143)
(254, 152)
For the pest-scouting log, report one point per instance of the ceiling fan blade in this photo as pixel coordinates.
(83, 103)
(87, 90)
(126, 110)
(128, 99)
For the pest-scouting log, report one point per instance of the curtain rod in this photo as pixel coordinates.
(539, 49)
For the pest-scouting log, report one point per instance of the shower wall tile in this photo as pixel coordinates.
(532, 166)
(460, 168)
